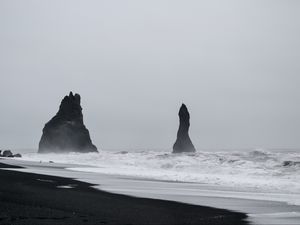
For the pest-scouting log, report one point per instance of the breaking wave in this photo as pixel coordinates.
(257, 169)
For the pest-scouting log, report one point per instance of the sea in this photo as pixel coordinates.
(274, 171)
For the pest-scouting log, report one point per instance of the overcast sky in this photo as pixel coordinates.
(235, 64)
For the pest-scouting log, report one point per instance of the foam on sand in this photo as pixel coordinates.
(276, 172)
(263, 207)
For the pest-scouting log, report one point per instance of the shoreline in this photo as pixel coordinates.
(29, 198)
(259, 211)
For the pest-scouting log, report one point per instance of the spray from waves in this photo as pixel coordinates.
(258, 169)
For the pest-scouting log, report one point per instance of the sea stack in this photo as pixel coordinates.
(183, 142)
(65, 132)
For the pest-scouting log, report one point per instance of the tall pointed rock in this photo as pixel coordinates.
(65, 132)
(183, 142)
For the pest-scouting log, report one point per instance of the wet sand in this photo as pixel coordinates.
(29, 198)
(261, 208)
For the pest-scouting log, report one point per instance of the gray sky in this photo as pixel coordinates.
(236, 65)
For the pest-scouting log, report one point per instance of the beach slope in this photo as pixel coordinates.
(27, 198)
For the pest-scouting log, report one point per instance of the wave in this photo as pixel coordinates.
(258, 169)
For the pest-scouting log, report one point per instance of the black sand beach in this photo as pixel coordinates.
(27, 198)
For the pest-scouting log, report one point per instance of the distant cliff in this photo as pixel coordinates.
(183, 142)
(65, 132)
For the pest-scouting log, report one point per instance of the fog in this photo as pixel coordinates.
(235, 64)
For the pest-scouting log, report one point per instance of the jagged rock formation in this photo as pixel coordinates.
(183, 142)
(65, 132)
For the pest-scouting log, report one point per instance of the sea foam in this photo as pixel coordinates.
(264, 171)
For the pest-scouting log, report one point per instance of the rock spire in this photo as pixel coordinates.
(183, 142)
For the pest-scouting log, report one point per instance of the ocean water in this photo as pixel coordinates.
(255, 170)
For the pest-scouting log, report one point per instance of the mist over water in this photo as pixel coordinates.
(235, 64)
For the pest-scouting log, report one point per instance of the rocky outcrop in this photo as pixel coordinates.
(183, 142)
(65, 132)
(8, 153)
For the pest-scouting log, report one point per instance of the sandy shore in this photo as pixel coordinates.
(28, 198)
(261, 208)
